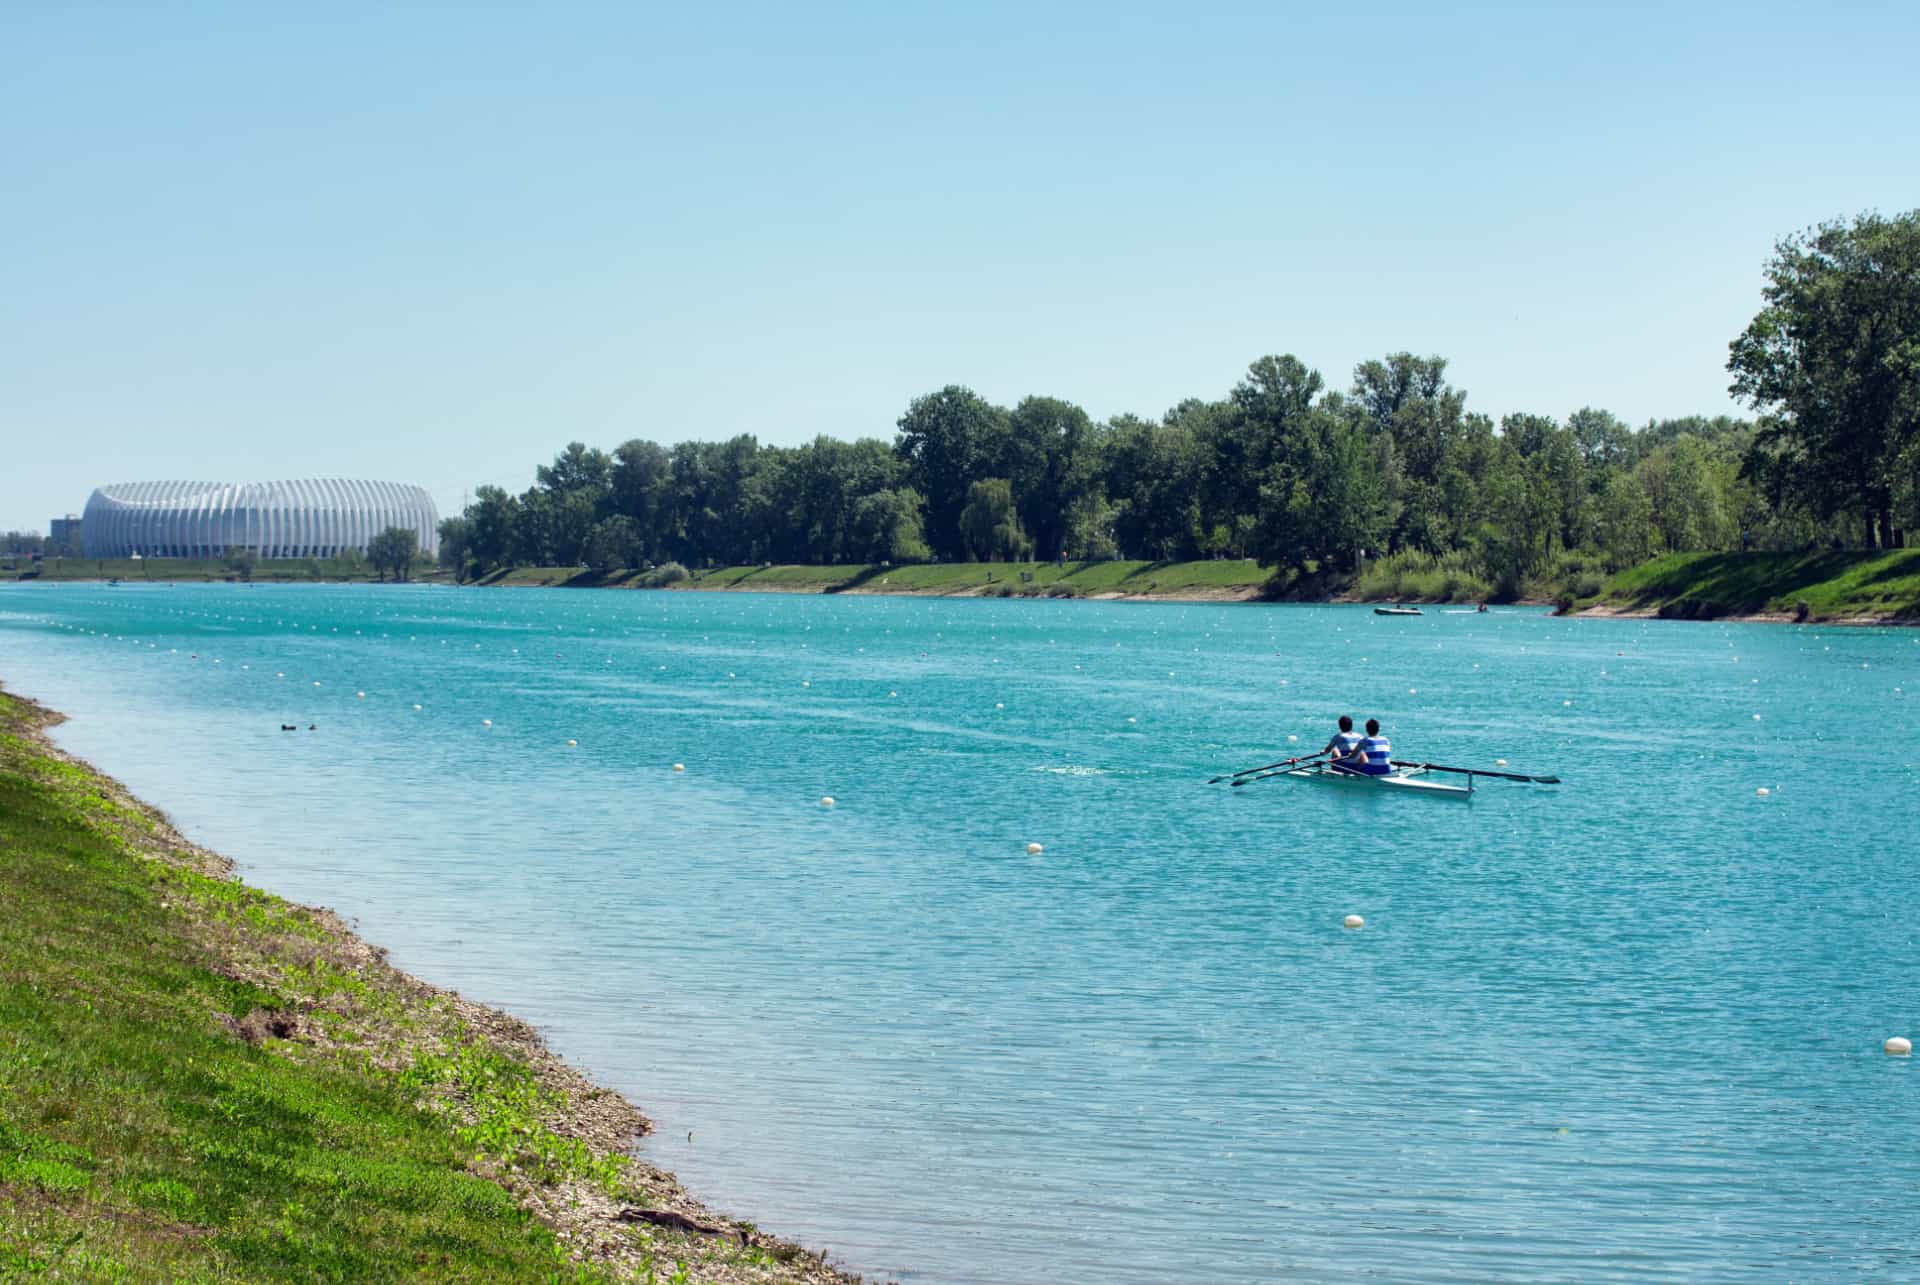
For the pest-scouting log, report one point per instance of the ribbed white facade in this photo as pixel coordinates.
(317, 518)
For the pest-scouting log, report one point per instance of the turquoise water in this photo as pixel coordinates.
(1626, 1028)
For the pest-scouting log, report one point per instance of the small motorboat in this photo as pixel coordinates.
(1398, 611)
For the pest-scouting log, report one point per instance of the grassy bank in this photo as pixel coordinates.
(199, 1081)
(1235, 578)
(1816, 586)
(195, 570)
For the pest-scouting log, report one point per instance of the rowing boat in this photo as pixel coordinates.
(1402, 780)
(1398, 611)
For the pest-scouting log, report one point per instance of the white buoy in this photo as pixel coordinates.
(1566, 702)
(416, 707)
(486, 722)
(1133, 720)
(572, 743)
(1756, 718)
(806, 684)
(679, 767)
(1763, 791)
(1292, 739)
(893, 693)
(1413, 691)
(359, 696)
(1898, 1046)
(1354, 921)
(826, 800)
(1034, 849)
(1499, 762)
(998, 705)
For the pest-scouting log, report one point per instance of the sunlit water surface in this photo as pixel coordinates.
(1628, 1027)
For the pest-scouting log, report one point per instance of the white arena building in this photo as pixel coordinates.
(318, 518)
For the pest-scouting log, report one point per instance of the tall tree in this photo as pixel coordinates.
(1152, 472)
(886, 527)
(1323, 502)
(1408, 400)
(456, 544)
(640, 488)
(495, 527)
(990, 524)
(391, 552)
(944, 438)
(577, 468)
(1050, 465)
(1833, 361)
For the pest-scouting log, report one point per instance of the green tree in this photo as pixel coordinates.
(1624, 520)
(1408, 400)
(1323, 504)
(1680, 484)
(1050, 464)
(1519, 513)
(944, 439)
(1151, 472)
(613, 542)
(885, 527)
(990, 524)
(456, 545)
(240, 560)
(641, 487)
(710, 484)
(577, 468)
(494, 521)
(1603, 440)
(1833, 362)
(392, 551)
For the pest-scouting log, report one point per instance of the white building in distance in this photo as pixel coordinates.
(315, 518)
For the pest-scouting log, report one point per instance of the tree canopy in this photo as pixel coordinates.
(1306, 477)
(1832, 362)
(392, 551)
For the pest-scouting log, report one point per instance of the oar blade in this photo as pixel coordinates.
(1480, 771)
(1268, 767)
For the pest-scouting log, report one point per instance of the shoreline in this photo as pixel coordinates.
(564, 578)
(572, 1166)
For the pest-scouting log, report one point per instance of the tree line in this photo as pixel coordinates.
(1305, 478)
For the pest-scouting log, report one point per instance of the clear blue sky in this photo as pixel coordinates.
(434, 243)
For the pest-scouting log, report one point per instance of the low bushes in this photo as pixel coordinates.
(1426, 577)
(667, 573)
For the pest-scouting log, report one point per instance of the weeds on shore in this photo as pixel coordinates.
(200, 1081)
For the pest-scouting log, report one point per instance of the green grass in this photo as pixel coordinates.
(200, 1081)
(190, 570)
(1830, 585)
(1074, 579)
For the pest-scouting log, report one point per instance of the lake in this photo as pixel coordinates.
(1626, 1027)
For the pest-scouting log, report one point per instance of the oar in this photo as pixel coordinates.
(1268, 768)
(1268, 775)
(1480, 771)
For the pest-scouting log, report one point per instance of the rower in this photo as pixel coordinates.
(1345, 741)
(1374, 757)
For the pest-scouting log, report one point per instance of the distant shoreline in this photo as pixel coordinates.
(1832, 588)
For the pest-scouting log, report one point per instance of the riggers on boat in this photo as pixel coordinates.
(1402, 780)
